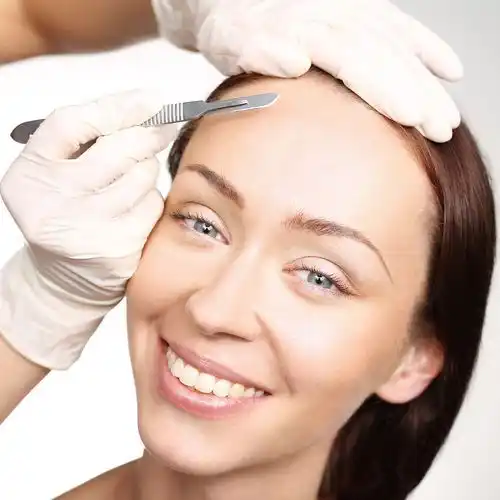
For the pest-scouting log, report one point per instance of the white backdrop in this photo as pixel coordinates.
(77, 424)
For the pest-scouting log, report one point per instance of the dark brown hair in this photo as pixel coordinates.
(384, 450)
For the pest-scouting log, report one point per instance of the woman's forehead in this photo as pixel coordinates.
(316, 142)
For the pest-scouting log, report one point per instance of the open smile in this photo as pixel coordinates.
(202, 387)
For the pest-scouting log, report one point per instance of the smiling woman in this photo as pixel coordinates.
(308, 311)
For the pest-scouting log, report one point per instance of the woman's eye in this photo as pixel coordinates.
(319, 279)
(199, 224)
(316, 279)
(323, 282)
(203, 227)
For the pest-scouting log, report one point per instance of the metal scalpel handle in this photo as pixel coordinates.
(171, 113)
(185, 111)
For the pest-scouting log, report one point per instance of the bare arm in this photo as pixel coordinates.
(30, 28)
(19, 376)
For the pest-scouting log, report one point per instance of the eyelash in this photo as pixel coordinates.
(197, 217)
(339, 284)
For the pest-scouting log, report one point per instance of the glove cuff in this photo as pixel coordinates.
(41, 325)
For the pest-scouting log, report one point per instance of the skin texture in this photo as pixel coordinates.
(31, 28)
(241, 295)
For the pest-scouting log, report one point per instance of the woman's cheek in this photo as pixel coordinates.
(170, 268)
(344, 348)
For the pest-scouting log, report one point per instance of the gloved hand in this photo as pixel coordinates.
(385, 56)
(85, 221)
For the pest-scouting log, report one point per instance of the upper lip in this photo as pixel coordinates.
(214, 368)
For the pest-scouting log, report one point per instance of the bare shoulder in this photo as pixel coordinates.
(115, 483)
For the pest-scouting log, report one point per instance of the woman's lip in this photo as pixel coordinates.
(207, 406)
(213, 368)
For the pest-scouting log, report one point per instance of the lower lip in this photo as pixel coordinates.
(207, 406)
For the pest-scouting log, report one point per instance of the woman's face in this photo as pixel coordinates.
(288, 264)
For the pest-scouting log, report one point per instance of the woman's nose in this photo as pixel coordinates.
(228, 305)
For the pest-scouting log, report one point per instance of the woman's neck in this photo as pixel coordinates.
(295, 479)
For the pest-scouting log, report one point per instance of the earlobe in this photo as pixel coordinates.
(421, 364)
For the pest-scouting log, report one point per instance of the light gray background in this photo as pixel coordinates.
(80, 423)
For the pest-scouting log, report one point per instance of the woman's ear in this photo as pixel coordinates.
(421, 364)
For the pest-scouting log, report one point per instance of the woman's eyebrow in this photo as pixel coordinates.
(324, 227)
(297, 222)
(217, 181)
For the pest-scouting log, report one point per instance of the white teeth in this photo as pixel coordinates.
(189, 376)
(170, 358)
(178, 368)
(222, 388)
(206, 383)
(237, 391)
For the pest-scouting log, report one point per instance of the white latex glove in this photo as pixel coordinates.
(385, 56)
(85, 221)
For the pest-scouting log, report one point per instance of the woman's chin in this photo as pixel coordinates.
(182, 450)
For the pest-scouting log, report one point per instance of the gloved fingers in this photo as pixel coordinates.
(442, 115)
(121, 196)
(113, 155)
(404, 30)
(67, 128)
(224, 63)
(275, 56)
(440, 111)
(120, 238)
(391, 79)
(370, 69)
(137, 224)
(434, 52)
